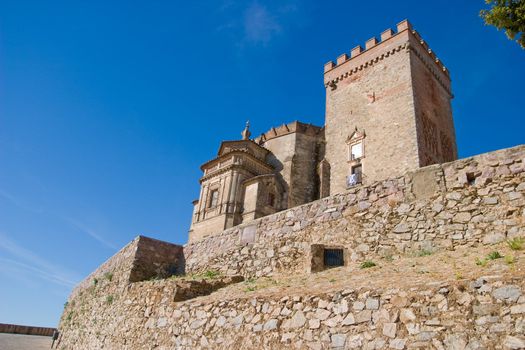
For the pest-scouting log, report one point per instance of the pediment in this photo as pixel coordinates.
(355, 136)
(230, 146)
(247, 146)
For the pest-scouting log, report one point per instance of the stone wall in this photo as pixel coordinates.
(463, 204)
(139, 260)
(282, 148)
(473, 201)
(29, 330)
(304, 186)
(378, 101)
(154, 258)
(486, 313)
(436, 134)
(295, 149)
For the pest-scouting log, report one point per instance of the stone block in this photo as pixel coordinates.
(407, 315)
(390, 330)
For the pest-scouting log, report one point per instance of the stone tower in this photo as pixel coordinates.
(387, 110)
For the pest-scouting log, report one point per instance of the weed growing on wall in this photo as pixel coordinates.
(367, 264)
(516, 243)
(108, 276)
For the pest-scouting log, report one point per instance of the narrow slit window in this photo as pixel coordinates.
(271, 199)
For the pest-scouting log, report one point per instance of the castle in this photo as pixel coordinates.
(288, 223)
(387, 112)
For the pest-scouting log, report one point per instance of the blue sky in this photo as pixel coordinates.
(108, 108)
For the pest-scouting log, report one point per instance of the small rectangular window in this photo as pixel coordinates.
(333, 257)
(214, 197)
(356, 151)
(323, 257)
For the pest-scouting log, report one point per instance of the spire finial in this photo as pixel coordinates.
(246, 132)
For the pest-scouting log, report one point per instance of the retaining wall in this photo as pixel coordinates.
(141, 259)
(478, 314)
(467, 203)
(477, 200)
(29, 330)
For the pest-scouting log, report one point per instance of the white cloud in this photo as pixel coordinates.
(75, 223)
(261, 22)
(24, 260)
(90, 232)
(17, 202)
(260, 26)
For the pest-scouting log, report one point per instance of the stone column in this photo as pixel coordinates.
(233, 190)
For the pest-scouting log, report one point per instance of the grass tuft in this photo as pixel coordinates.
(516, 243)
(481, 262)
(424, 252)
(491, 256)
(367, 264)
(494, 255)
(211, 274)
(509, 259)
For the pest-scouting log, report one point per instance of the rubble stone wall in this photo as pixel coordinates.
(479, 314)
(477, 200)
(139, 260)
(466, 203)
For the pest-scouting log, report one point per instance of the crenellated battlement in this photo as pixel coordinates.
(289, 128)
(390, 42)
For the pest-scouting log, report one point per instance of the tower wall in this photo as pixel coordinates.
(304, 186)
(294, 154)
(383, 91)
(282, 147)
(432, 96)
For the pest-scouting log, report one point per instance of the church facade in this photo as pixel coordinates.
(388, 111)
